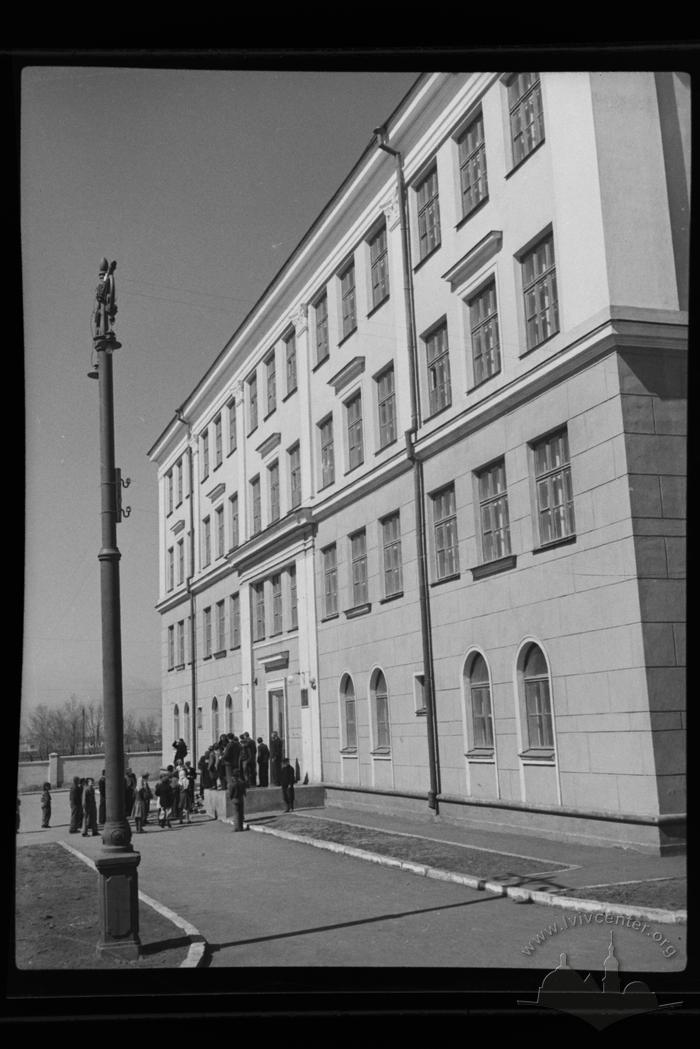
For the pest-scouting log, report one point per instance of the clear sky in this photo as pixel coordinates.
(200, 184)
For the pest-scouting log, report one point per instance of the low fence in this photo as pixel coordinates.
(59, 770)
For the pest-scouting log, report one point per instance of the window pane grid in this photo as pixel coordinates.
(256, 507)
(391, 534)
(378, 267)
(485, 336)
(330, 580)
(387, 408)
(526, 119)
(354, 421)
(271, 371)
(540, 293)
(554, 490)
(350, 725)
(277, 604)
(295, 476)
(445, 523)
(481, 715)
(291, 357)
(294, 622)
(232, 438)
(382, 714)
(259, 599)
(347, 291)
(233, 501)
(274, 474)
(235, 620)
(472, 160)
(321, 313)
(428, 215)
(538, 711)
(358, 558)
(327, 456)
(253, 401)
(439, 388)
(220, 626)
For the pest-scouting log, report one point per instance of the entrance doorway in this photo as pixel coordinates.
(277, 718)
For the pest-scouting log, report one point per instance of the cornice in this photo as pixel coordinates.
(346, 374)
(475, 258)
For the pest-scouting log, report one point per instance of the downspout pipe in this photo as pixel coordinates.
(418, 482)
(180, 416)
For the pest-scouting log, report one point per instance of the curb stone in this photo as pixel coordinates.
(198, 944)
(516, 893)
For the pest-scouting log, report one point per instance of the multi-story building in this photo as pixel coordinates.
(424, 514)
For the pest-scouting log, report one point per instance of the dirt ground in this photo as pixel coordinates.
(57, 919)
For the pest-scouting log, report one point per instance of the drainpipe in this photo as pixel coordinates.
(418, 484)
(179, 415)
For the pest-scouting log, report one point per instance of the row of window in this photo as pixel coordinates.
(392, 571)
(268, 605)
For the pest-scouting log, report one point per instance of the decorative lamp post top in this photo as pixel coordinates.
(105, 307)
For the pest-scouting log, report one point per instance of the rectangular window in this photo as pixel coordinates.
(347, 298)
(428, 214)
(321, 319)
(218, 442)
(381, 704)
(295, 476)
(220, 626)
(386, 403)
(232, 435)
(178, 482)
(274, 485)
(181, 643)
(206, 541)
(277, 604)
(271, 382)
(330, 581)
(391, 545)
(290, 349)
(327, 456)
(169, 490)
(255, 506)
(358, 562)
(171, 568)
(555, 501)
(483, 320)
(438, 358)
(356, 452)
(293, 611)
(539, 714)
(493, 512)
(235, 609)
(445, 527)
(379, 267)
(206, 619)
(253, 401)
(350, 723)
(526, 117)
(205, 454)
(472, 165)
(540, 292)
(235, 534)
(171, 647)
(180, 562)
(258, 592)
(482, 724)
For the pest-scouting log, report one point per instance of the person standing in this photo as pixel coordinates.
(231, 757)
(180, 750)
(246, 759)
(191, 777)
(164, 793)
(263, 762)
(237, 793)
(101, 813)
(142, 802)
(287, 778)
(46, 805)
(129, 789)
(75, 799)
(89, 808)
(275, 759)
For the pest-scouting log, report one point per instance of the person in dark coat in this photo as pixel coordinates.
(129, 790)
(180, 750)
(191, 778)
(142, 802)
(237, 792)
(102, 810)
(231, 757)
(247, 759)
(287, 778)
(263, 762)
(211, 767)
(89, 808)
(46, 805)
(203, 766)
(164, 793)
(275, 759)
(75, 799)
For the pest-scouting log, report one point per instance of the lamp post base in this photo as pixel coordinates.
(119, 903)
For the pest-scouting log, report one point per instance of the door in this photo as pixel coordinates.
(277, 720)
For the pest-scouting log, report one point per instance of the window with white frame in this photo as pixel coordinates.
(419, 694)
(428, 205)
(386, 404)
(228, 714)
(215, 720)
(293, 609)
(233, 511)
(479, 697)
(347, 698)
(220, 626)
(180, 638)
(348, 302)
(232, 434)
(176, 721)
(391, 547)
(253, 402)
(235, 614)
(169, 490)
(218, 442)
(538, 706)
(180, 562)
(205, 454)
(186, 716)
(290, 354)
(206, 631)
(258, 595)
(380, 708)
(271, 382)
(379, 267)
(325, 428)
(220, 533)
(353, 415)
(321, 328)
(541, 303)
(358, 566)
(171, 647)
(276, 584)
(555, 501)
(171, 568)
(295, 476)
(483, 322)
(445, 532)
(330, 580)
(178, 482)
(493, 511)
(526, 116)
(274, 489)
(438, 364)
(206, 541)
(255, 505)
(472, 165)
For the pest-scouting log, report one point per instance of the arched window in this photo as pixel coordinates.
(538, 707)
(214, 719)
(229, 714)
(380, 708)
(176, 722)
(187, 726)
(347, 699)
(479, 695)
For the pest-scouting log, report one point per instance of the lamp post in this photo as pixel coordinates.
(117, 862)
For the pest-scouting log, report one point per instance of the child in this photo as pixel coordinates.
(46, 805)
(287, 777)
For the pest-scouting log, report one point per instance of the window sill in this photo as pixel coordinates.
(501, 564)
(482, 382)
(327, 485)
(378, 306)
(384, 753)
(230, 452)
(481, 755)
(349, 335)
(318, 364)
(477, 207)
(290, 394)
(422, 713)
(350, 752)
(446, 579)
(217, 466)
(385, 446)
(276, 633)
(333, 615)
(353, 468)
(565, 540)
(205, 658)
(234, 648)
(438, 411)
(271, 412)
(538, 345)
(293, 629)
(358, 610)
(391, 597)
(520, 163)
(537, 756)
(257, 640)
(180, 666)
(251, 432)
(426, 257)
